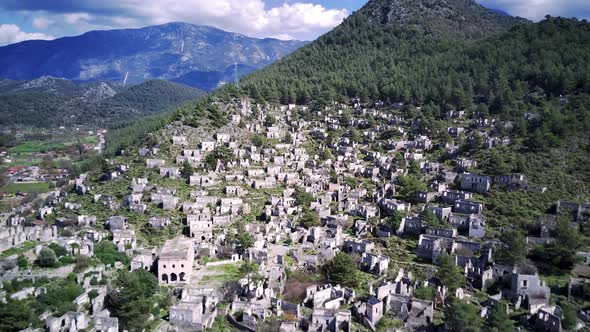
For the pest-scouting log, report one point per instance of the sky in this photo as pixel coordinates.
(284, 19)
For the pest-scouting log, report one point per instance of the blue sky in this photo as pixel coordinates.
(286, 19)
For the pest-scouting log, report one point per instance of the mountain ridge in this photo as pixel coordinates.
(165, 51)
(49, 101)
(339, 63)
(464, 18)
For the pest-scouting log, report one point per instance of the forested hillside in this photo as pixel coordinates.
(522, 71)
(59, 102)
(389, 62)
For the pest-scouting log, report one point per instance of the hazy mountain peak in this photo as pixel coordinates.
(168, 51)
(465, 18)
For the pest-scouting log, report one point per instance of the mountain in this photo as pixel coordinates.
(49, 101)
(535, 75)
(465, 18)
(170, 51)
(62, 87)
(214, 78)
(387, 49)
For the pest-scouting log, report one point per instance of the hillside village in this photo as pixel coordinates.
(348, 217)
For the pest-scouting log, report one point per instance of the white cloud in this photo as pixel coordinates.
(296, 20)
(42, 22)
(75, 18)
(10, 33)
(250, 17)
(537, 9)
(283, 36)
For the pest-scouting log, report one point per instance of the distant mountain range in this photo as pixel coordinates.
(198, 56)
(49, 102)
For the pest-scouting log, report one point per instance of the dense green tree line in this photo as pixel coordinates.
(362, 58)
(47, 109)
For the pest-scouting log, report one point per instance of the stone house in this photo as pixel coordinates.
(414, 313)
(358, 246)
(580, 211)
(376, 264)
(237, 191)
(70, 321)
(426, 196)
(465, 164)
(256, 172)
(196, 310)
(442, 213)
(450, 196)
(193, 157)
(430, 247)
(328, 296)
(154, 163)
(72, 206)
(465, 247)
(124, 239)
(45, 211)
(201, 230)
(510, 180)
(475, 182)
(548, 319)
(369, 312)
(410, 225)
(138, 207)
(156, 222)
(477, 226)
(201, 180)
(179, 140)
(459, 221)
(138, 185)
(117, 223)
(389, 206)
(222, 138)
(134, 198)
(28, 291)
(467, 207)
(454, 114)
(265, 183)
(169, 202)
(105, 324)
(84, 220)
(170, 172)
(108, 201)
(330, 320)
(443, 232)
(455, 131)
(232, 205)
(144, 260)
(447, 176)
(207, 146)
(530, 290)
(175, 263)
(503, 273)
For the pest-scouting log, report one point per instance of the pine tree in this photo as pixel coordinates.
(187, 170)
(462, 316)
(448, 272)
(499, 320)
(513, 248)
(342, 270)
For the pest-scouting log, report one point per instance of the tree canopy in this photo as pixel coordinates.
(448, 272)
(342, 270)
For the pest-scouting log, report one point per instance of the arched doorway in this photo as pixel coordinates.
(173, 277)
(181, 276)
(165, 278)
